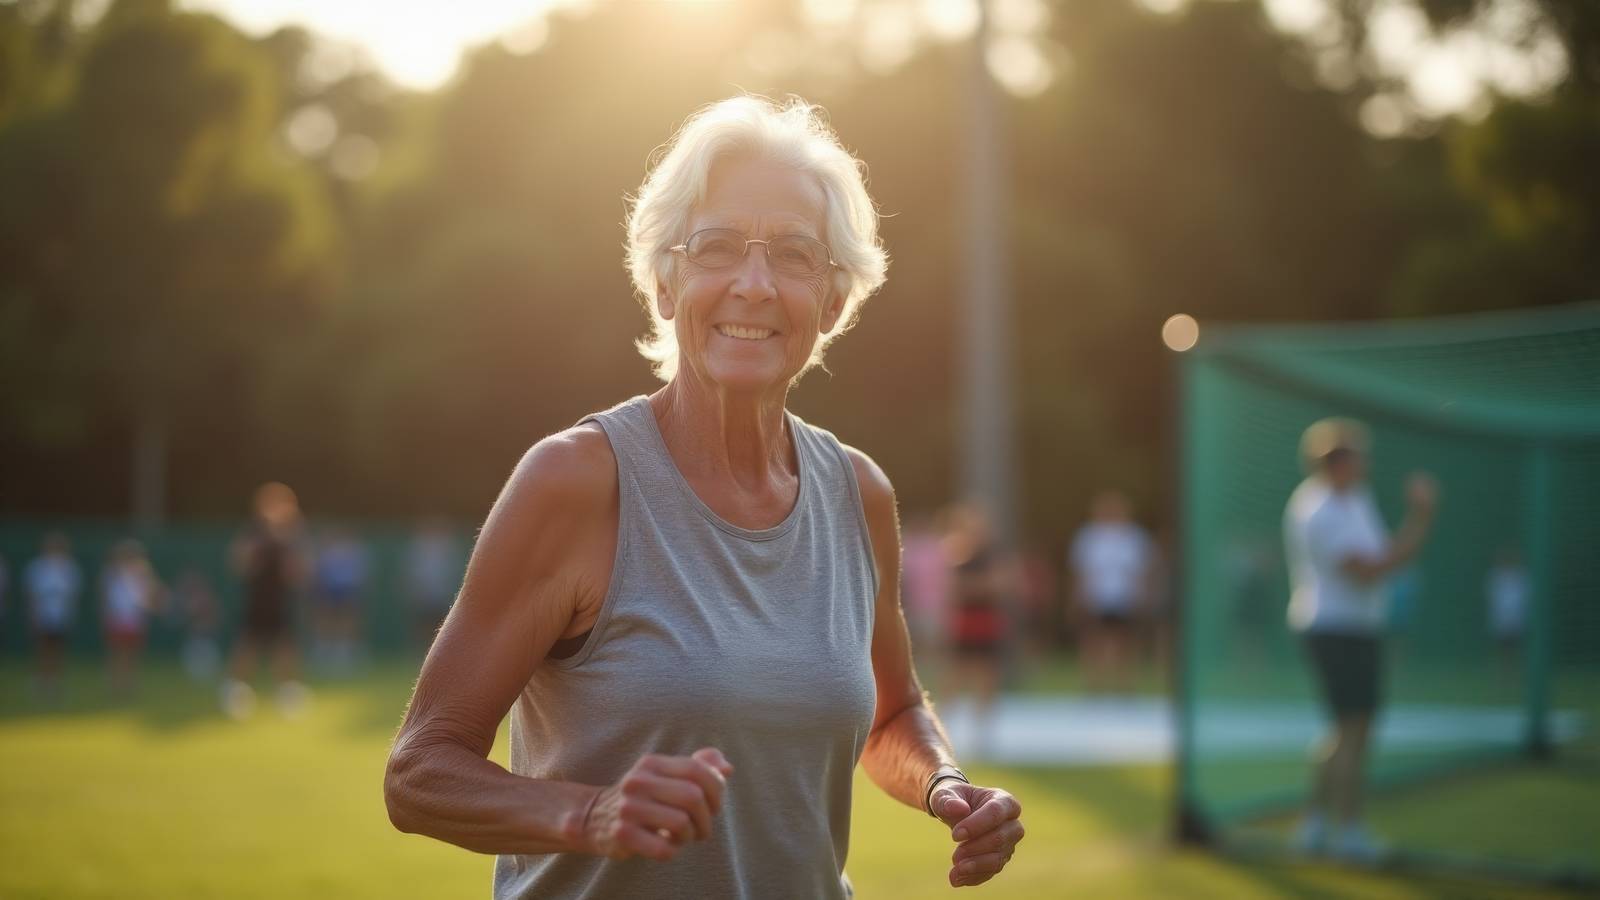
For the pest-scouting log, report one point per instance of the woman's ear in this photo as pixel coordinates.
(832, 312)
(664, 304)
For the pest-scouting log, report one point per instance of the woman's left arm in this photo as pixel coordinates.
(907, 745)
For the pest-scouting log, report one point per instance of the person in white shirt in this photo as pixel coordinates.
(434, 563)
(1111, 564)
(52, 582)
(129, 592)
(1507, 590)
(1340, 557)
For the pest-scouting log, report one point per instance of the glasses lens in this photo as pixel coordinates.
(715, 248)
(798, 254)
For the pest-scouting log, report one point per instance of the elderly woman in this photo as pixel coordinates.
(690, 602)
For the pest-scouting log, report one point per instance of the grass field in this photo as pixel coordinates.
(163, 798)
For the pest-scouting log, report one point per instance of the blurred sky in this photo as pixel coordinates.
(418, 44)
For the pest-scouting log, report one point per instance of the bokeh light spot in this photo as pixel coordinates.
(1181, 332)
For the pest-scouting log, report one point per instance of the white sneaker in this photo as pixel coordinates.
(293, 698)
(1311, 836)
(238, 700)
(1355, 843)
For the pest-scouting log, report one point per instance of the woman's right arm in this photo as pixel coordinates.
(524, 584)
(538, 572)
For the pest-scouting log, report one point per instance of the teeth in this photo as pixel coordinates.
(748, 334)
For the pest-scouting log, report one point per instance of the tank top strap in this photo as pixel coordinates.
(647, 481)
(837, 486)
(627, 431)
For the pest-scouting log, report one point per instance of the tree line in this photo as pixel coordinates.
(229, 259)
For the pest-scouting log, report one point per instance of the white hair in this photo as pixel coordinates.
(792, 134)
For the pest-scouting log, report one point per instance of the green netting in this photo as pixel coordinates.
(1505, 410)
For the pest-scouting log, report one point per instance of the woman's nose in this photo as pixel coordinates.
(755, 280)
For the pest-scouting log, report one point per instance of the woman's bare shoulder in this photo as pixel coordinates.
(561, 496)
(569, 470)
(877, 494)
(878, 504)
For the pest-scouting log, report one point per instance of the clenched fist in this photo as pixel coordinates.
(984, 822)
(662, 803)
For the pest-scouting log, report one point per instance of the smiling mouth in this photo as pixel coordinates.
(745, 334)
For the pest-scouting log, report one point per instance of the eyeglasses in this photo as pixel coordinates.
(792, 254)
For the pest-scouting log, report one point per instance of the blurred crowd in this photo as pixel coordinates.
(979, 615)
(306, 592)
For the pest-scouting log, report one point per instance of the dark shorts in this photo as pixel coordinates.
(1349, 670)
(978, 649)
(266, 621)
(1112, 618)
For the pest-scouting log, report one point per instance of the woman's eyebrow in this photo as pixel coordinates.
(734, 222)
(731, 221)
(800, 228)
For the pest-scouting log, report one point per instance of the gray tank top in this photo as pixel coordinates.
(756, 642)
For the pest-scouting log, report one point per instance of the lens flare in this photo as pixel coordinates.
(1181, 332)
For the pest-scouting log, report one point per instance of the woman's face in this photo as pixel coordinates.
(750, 327)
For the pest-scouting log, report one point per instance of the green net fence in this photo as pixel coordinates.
(1504, 409)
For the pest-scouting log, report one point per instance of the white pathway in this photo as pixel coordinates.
(1089, 731)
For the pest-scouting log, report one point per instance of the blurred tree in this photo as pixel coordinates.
(1527, 226)
(1185, 164)
(37, 39)
(491, 306)
(1508, 209)
(1576, 24)
(157, 244)
(383, 297)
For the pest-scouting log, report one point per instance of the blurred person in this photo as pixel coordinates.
(52, 582)
(690, 602)
(1340, 558)
(1036, 589)
(1111, 560)
(196, 603)
(271, 564)
(979, 624)
(340, 582)
(927, 582)
(1508, 592)
(432, 573)
(130, 593)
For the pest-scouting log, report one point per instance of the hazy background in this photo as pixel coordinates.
(233, 249)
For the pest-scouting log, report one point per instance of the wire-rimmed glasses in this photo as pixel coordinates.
(792, 254)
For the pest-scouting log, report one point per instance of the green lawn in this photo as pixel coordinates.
(163, 798)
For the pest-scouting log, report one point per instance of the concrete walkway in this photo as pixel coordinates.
(1036, 730)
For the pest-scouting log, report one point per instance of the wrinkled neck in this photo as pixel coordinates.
(722, 433)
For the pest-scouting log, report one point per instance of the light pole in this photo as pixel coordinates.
(987, 417)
